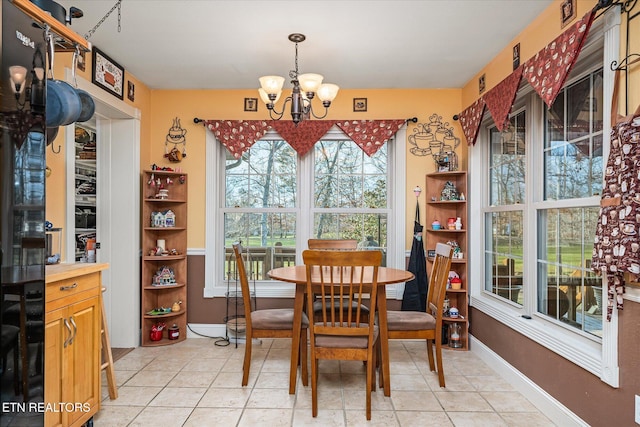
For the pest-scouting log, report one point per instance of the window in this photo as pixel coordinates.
(350, 198)
(504, 217)
(273, 200)
(539, 203)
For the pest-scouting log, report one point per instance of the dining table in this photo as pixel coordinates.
(298, 275)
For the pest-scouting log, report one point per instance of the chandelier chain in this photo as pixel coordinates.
(294, 73)
(118, 5)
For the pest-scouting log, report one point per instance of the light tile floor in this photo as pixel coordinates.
(196, 383)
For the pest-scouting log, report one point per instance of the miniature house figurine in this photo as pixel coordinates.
(169, 219)
(164, 276)
(157, 219)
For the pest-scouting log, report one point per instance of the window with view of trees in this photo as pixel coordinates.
(568, 290)
(504, 217)
(265, 206)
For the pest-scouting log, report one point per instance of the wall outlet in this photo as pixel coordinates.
(637, 413)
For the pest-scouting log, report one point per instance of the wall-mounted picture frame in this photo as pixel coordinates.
(82, 61)
(107, 74)
(481, 84)
(359, 104)
(131, 91)
(567, 12)
(251, 104)
(516, 56)
(431, 253)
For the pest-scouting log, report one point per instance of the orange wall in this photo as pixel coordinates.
(229, 104)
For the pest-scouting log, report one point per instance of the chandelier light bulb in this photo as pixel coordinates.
(272, 85)
(310, 82)
(327, 92)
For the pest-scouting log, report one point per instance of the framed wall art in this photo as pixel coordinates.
(251, 104)
(107, 73)
(359, 104)
(131, 91)
(567, 12)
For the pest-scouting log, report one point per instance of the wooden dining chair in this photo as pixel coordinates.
(335, 245)
(267, 323)
(421, 325)
(341, 334)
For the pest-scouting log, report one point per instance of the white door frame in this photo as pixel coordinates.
(117, 209)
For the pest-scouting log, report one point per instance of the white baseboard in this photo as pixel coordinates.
(547, 404)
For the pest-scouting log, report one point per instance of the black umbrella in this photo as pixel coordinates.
(415, 291)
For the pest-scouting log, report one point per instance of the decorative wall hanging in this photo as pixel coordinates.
(482, 84)
(437, 140)
(107, 73)
(516, 56)
(175, 137)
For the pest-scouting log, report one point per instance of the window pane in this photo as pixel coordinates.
(270, 239)
(568, 290)
(573, 145)
(265, 176)
(507, 163)
(369, 229)
(503, 255)
(345, 177)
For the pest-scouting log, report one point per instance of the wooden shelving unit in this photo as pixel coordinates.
(175, 238)
(442, 210)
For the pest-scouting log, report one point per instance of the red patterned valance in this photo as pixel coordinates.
(500, 99)
(304, 136)
(370, 135)
(470, 120)
(548, 70)
(239, 135)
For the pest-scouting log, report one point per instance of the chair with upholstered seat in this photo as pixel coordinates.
(421, 325)
(267, 323)
(341, 334)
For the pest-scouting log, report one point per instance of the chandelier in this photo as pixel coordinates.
(305, 86)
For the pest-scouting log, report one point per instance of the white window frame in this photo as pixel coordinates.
(214, 227)
(598, 358)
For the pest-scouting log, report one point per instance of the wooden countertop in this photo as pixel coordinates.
(56, 272)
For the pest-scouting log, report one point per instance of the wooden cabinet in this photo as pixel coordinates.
(446, 196)
(72, 343)
(164, 272)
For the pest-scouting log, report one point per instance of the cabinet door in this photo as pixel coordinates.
(83, 358)
(55, 335)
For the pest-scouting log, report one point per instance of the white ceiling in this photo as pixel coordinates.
(357, 44)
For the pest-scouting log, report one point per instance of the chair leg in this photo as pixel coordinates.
(379, 365)
(314, 385)
(303, 358)
(439, 361)
(370, 380)
(432, 366)
(247, 360)
(16, 369)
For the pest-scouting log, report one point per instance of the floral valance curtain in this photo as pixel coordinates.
(239, 135)
(546, 72)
